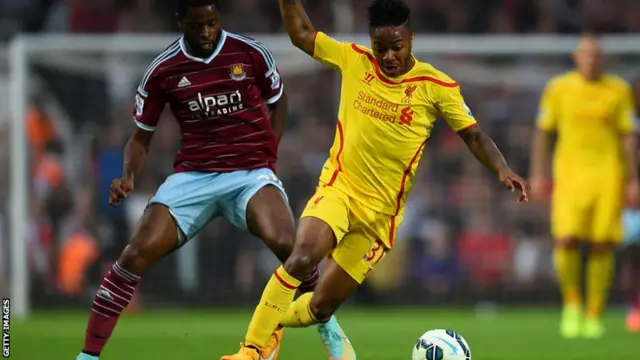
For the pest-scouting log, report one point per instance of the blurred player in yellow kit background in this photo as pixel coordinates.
(594, 177)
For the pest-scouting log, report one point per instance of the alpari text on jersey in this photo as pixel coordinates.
(217, 105)
(220, 103)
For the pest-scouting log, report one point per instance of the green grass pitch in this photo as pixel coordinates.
(376, 334)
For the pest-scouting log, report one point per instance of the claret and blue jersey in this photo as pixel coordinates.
(229, 149)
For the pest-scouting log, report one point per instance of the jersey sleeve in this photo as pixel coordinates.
(149, 102)
(547, 118)
(452, 107)
(626, 119)
(331, 52)
(267, 76)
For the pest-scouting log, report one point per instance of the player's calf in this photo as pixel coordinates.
(113, 296)
(333, 290)
(599, 273)
(155, 237)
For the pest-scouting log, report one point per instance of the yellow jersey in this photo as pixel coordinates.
(590, 118)
(384, 124)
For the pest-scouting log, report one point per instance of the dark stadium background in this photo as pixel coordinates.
(464, 247)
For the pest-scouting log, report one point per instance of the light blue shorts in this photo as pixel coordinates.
(195, 198)
(631, 222)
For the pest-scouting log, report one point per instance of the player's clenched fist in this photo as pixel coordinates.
(120, 189)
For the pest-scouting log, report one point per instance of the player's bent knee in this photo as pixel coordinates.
(299, 266)
(155, 236)
(139, 256)
(280, 242)
(566, 243)
(133, 259)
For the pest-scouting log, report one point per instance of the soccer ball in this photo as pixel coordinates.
(441, 345)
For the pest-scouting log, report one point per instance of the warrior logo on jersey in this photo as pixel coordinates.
(217, 105)
(408, 93)
(237, 72)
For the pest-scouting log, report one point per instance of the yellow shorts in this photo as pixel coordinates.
(588, 211)
(364, 235)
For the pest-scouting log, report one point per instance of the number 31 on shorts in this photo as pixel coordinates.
(376, 253)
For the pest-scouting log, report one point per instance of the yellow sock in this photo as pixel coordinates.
(567, 264)
(276, 298)
(299, 314)
(599, 276)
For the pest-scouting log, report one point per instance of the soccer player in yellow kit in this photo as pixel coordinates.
(389, 104)
(594, 165)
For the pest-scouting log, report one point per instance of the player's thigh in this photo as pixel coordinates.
(358, 254)
(191, 198)
(155, 236)
(270, 218)
(372, 235)
(606, 224)
(330, 207)
(335, 287)
(324, 222)
(251, 191)
(570, 214)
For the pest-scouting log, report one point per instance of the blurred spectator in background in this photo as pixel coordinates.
(436, 16)
(94, 16)
(485, 252)
(142, 16)
(436, 266)
(109, 149)
(81, 237)
(457, 230)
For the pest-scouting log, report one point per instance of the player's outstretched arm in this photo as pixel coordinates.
(485, 150)
(628, 127)
(540, 144)
(630, 154)
(457, 114)
(298, 25)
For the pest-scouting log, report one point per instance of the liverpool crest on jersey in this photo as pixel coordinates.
(237, 72)
(408, 93)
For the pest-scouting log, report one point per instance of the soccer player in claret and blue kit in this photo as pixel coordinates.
(389, 103)
(226, 94)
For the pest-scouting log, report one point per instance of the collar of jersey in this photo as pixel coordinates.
(183, 47)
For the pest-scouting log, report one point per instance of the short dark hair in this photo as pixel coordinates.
(183, 5)
(389, 13)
